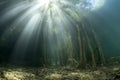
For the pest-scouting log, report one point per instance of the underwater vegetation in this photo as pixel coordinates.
(52, 33)
(53, 40)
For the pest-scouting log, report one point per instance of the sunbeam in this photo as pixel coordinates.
(59, 39)
(48, 25)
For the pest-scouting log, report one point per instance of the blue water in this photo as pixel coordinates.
(108, 27)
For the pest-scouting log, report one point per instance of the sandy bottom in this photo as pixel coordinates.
(20, 73)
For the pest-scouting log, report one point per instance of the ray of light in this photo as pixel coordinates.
(55, 19)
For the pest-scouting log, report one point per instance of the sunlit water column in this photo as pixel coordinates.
(53, 19)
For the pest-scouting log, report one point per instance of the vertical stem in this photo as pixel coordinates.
(70, 47)
(89, 45)
(84, 53)
(70, 51)
(98, 44)
(80, 45)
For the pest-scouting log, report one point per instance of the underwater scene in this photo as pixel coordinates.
(59, 39)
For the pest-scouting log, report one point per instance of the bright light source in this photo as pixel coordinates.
(96, 4)
(92, 4)
(43, 1)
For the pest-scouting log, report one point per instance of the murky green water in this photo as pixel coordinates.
(59, 33)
